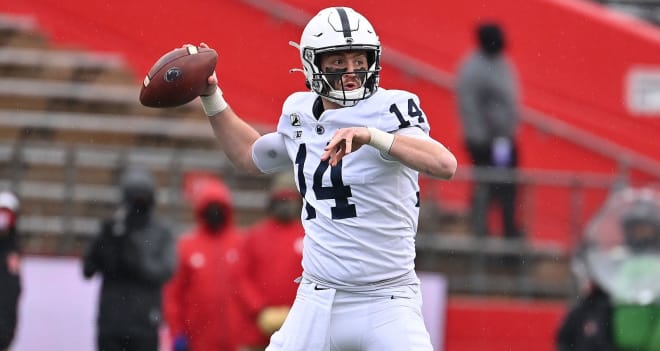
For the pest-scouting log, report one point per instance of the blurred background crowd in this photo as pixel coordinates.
(547, 237)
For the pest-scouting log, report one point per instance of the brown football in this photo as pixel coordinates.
(178, 77)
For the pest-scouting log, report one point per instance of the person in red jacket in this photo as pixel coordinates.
(271, 261)
(200, 304)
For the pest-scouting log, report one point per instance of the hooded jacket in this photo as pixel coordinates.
(200, 301)
(487, 94)
(135, 254)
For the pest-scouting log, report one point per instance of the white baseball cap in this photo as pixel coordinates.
(9, 201)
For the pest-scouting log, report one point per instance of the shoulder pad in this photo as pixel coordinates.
(295, 105)
(400, 109)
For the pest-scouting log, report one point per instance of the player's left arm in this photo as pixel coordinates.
(417, 150)
(410, 146)
(409, 143)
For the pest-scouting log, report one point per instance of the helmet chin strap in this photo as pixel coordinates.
(341, 98)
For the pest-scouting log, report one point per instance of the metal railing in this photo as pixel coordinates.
(58, 194)
(523, 267)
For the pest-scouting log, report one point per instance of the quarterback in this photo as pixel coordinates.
(356, 150)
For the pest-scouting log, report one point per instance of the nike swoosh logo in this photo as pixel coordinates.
(316, 287)
(398, 297)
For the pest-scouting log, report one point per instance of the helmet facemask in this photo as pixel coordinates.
(338, 30)
(329, 82)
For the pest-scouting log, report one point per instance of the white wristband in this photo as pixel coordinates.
(381, 140)
(214, 103)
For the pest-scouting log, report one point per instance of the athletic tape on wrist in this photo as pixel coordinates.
(214, 103)
(381, 140)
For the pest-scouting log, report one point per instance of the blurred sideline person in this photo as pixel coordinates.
(487, 94)
(134, 253)
(270, 258)
(10, 278)
(356, 150)
(636, 291)
(620, 261)
(201, 307)
(588, 324)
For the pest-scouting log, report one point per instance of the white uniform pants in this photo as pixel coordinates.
(322, 319)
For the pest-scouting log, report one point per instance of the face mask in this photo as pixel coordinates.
(214, 217)
(335, 76)
(139, 204)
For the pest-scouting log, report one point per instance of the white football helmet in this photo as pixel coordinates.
(339, 29)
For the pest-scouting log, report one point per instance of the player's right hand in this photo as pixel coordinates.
(212, 80)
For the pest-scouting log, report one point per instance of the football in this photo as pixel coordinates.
(178, 77)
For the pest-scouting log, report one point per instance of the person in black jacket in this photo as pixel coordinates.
(487, 93)
(10, 280)
(135, 254)
(588, 324)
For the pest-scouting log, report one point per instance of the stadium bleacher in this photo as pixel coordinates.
(70, 120)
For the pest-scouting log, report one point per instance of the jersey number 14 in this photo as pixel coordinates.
(338, 191)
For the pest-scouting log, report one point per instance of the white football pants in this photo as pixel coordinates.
(323, 319)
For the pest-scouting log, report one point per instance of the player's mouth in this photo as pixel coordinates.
(351, 85)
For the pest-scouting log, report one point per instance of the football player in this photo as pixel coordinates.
(356, 150)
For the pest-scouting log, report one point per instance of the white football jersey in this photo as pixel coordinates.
(360, 217)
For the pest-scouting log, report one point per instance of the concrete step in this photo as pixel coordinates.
(20, 31)
(48, 95)
(106, 129)
(496, 266)
(63, 65)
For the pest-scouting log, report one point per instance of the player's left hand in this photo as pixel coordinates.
(345, 141)
(270, 319)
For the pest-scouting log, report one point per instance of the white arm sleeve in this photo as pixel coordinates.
(269, 153)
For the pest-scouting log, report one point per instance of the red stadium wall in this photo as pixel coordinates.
(501, 325)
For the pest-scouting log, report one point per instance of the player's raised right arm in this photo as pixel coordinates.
(236, 136)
